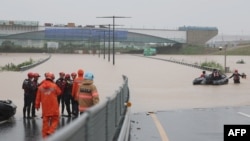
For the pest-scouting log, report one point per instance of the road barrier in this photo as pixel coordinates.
(187, 64)
(106, 121)
(24, 68)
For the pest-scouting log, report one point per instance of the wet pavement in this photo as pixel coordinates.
(198, 124)
(24, 129)
(156, 86)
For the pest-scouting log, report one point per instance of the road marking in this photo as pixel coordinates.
(244, 114)
(159, 127)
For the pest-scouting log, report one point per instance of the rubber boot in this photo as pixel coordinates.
(28, 112)
(24, 112)
(33, 112)
(68, 110)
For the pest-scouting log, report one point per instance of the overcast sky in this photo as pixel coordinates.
(229, 16)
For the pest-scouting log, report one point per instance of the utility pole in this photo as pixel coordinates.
(104, 26)
(113, 17)
(225, 54)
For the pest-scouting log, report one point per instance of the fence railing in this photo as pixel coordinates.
(187, 64)
(106, 121)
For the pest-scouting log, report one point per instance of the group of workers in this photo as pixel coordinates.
(74, 91)
(215, 75)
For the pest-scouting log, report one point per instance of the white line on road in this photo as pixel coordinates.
(244, 114)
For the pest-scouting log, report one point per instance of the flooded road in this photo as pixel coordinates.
(155, 85)
(159, 85)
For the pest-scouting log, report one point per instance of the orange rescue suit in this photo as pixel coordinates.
(47, 96)
(76, 83)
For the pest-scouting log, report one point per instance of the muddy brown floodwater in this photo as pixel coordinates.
(155, 85)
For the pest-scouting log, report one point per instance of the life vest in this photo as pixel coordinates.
(236, 76)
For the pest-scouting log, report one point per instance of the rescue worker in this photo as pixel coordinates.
(61, 84)
(236, 76)
(28, 89)
(75, 87)
(35, 86)
(67, 93)
(43, 79)
(244, 76)
(47, 94)
(87, 93)
(73, 76)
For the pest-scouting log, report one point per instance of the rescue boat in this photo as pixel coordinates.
(7, 109)
(208, 80)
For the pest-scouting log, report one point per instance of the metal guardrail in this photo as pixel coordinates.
(23, 68)
(106, 121)
(187, 64)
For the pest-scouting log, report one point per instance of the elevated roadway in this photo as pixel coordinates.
(128, 35)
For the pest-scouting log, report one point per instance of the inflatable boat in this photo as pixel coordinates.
(7, 109)
(208, 80)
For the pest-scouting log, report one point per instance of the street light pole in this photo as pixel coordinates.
(99, 48)
(104, 52)
(109, 45)
(113, 40)
(113, 33)
(225, 59)
(225, 55)
(103, 25)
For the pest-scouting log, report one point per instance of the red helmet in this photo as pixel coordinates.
(73, 74)
(30, 75)
(50, 75)
(67, 76)
(36, 75)
(80, 72)
(62, 74)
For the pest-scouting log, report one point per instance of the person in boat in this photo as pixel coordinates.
(27, 86)
(47, 94)
(236, 76)
(203, 74)
(216, 75)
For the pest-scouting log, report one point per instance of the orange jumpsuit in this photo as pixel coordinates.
(76, 83)
(47, 96)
